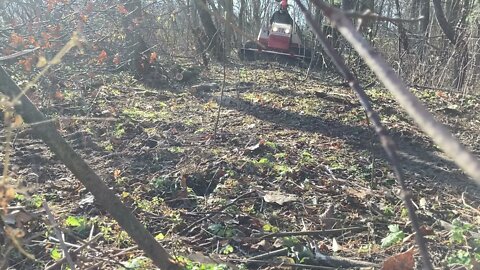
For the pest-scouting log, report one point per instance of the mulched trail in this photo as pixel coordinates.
(290, 154)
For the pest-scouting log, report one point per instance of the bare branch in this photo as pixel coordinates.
(385, 73)
(18, 54)
(387, 143)
(57, 231)
(374, 16)
(105, 197)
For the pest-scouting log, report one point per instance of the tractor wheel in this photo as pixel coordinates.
(248, 51)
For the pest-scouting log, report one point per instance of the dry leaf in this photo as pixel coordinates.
(256, 146)
(102, 56)
(117, 173)
(279, 197)
(335, 246)
(262, 245)
(153, 58)
(360, 193)
(423, 203)
(122, 9)
(278, 243)
(426, 230)
(402, 261)
(18, 121)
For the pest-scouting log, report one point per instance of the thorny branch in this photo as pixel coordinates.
(387, 143)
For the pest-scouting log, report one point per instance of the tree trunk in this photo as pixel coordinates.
(461, 63)
(241, 15)
(229, 34)
(414, 12)
(402, 35)
(425, 12)
(442, 21)
(214, 39)
(256, 14)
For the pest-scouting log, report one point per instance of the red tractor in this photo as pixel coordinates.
(280, 37)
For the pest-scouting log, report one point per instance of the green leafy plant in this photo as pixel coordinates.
(189, 265)
(138, 263)
(221, 230)
(461, 257)
(283, 169)
(79, 224)
(459, 231)
(306, 158)
(396, 235)
(35, 201)
(227, 250)
(270, 228)
(264, 162)
(460, 235)
(56, 254)
(119, 130)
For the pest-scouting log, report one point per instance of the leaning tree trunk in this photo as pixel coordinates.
(214, 38)
(442, 21)
(45, 129)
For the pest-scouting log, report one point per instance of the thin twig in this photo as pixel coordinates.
(387, 143)
(280, 263)
(74, 252)
(18, 54)
(271, 254)
(57, 231)
(223, 86)
(234, 201)
(311, 233)
(374, 16)
(409, 102)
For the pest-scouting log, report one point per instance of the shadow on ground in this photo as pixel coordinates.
(418, 159)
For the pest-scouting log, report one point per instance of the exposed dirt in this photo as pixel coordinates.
(277, 132)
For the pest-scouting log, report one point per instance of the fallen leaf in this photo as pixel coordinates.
(423, 203)
(402, 261)
(122, 9)
(102, 56)
(153, 58)
(358, 193)
(426, 230)
(262, 245)
(117, 173)
(256, 146)
(335, 246)
(279, 197)
(278, 243)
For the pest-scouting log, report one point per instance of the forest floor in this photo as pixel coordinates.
(291, 154)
